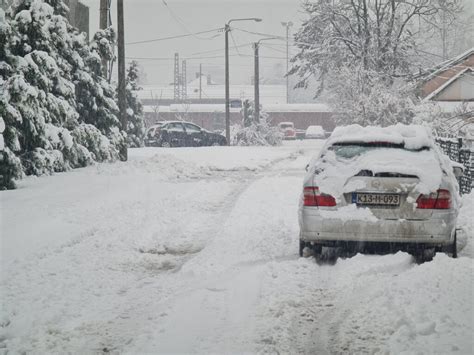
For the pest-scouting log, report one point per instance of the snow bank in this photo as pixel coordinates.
(466, 224)
(220, 158)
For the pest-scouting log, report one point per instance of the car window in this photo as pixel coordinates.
(284, 126)
(191, 128)
(175, 127)
(349, 150)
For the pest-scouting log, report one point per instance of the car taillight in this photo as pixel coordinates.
(439, 200)
(313, 197)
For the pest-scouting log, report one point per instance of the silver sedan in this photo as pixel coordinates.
(381, 190)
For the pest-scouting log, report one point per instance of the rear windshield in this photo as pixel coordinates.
(286, 126)
(348, 150)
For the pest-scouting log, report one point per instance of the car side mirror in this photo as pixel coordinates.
(307, 167)
(458, 171)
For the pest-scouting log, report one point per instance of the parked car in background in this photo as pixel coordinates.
(380, 189)
(300, 133)
(287, 129)
(183, 134)
(315, 132)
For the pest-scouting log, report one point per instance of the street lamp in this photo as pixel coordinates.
(287, 25)
(227, 94)
(257, 79)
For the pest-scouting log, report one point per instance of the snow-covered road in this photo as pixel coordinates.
(195, 251)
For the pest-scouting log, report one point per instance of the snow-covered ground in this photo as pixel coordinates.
(195, 251)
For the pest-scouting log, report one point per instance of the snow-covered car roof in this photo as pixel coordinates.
(315, 129)
(411, 136)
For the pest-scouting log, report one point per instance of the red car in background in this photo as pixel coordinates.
(287, 129)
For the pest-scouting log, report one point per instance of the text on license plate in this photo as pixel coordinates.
(376, 199)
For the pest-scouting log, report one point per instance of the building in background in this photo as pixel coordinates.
(212, 116)
(78, 15)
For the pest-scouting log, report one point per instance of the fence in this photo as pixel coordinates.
(453, 148)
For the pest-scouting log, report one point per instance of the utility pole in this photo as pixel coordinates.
(256, 85)
(200, 82)
(103, 24)
(287, 25)
(227, 91)
(227, 94)
(121, 75)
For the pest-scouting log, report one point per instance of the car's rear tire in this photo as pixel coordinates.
(327, 255)
(165, 144)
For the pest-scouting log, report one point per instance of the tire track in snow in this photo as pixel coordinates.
(217, 312)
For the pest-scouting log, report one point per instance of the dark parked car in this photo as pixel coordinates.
(181, 134)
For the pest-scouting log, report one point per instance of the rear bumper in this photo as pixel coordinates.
(437, 230)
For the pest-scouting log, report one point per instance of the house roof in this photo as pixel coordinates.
(448, 83)
(434, 71)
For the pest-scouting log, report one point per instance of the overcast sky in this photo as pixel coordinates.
(151, 19)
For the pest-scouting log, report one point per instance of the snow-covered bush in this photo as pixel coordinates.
(456, 122)
(95, 142)
(40, 161)
(255, 133)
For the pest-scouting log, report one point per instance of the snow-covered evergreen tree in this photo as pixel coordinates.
(136, 121)
(59, 112)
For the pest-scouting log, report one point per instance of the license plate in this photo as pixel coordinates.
(376, 199)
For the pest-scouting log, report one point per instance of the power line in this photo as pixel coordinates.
(221, 49)
(233, 41)
(273, 49)
(260, 33)
(209, 57)
(181, 22)
(173, 37)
